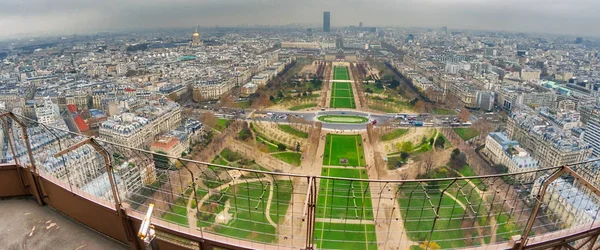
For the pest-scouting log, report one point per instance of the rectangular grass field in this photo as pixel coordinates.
(345, 236)
(347, 147)
(341, 73)
(466, 133)
(344, 199)
(342, 96)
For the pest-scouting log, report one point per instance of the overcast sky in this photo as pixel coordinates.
(47, 17)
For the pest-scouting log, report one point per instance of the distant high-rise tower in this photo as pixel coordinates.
(360, 25)
(445, 31)
(326, 21)
(196, 42)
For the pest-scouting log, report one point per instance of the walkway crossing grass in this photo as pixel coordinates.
(343, 199)
(341, 93)
(344, 208)
(248, 206)
(342, 96)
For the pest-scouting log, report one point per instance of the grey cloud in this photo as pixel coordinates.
(65, 16)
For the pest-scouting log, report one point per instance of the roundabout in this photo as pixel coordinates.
(343, 119)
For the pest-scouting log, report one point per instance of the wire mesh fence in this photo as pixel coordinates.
(237, 201)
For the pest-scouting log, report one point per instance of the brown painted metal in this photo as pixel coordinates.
(561, 241)
(583, 181)
(36, 189)
(12, 185)
(12, 149)
(103, 219)
(538, 204)
(129, 231)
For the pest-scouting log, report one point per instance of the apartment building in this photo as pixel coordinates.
(139, 129)
(549, 144)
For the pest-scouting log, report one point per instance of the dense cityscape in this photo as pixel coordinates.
(190, 117)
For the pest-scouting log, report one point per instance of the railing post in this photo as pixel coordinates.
(33, 172)
(130, 233)
(10, 139)
(311, 213)
(541, 193)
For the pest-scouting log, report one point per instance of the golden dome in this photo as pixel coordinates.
(196, 32)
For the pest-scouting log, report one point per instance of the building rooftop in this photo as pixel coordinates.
(535, 124)
(576, 197)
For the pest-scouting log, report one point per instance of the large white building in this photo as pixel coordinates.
(48, 113)
(504, 151)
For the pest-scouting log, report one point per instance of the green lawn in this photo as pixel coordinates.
(418, 216)
(303, 106)
(342, 96)
(341, 73)
(373, 88)
(271, 147)
(342, 92)
(467, 171)
(394, 134)
(291, 130)
(230, 155)
(506, 227)
(343, 119)
(248, 208)
(343, 199)
(178, 212)
(242, 105)
(466, 133)
(342, 85)
(343, 102)
(289, 157)
(345, 236)
(441, 111)
(222, 124)
(220, 161)
(343, 147)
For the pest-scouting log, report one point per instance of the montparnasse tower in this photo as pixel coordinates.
(196, 42)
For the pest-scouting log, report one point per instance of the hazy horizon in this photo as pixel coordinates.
(60, 17)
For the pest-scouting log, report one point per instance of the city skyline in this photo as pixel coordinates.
(19, 18)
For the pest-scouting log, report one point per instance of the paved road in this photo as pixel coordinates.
(280, 116)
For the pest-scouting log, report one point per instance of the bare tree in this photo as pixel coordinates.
(209, 119)
(464, 115)
(452, 101)
(403, 176)
(428, 162)
(484, 128)
(419, 106)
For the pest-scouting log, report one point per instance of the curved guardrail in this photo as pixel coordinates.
(240, 203)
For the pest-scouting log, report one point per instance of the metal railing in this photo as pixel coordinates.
(242, 204)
